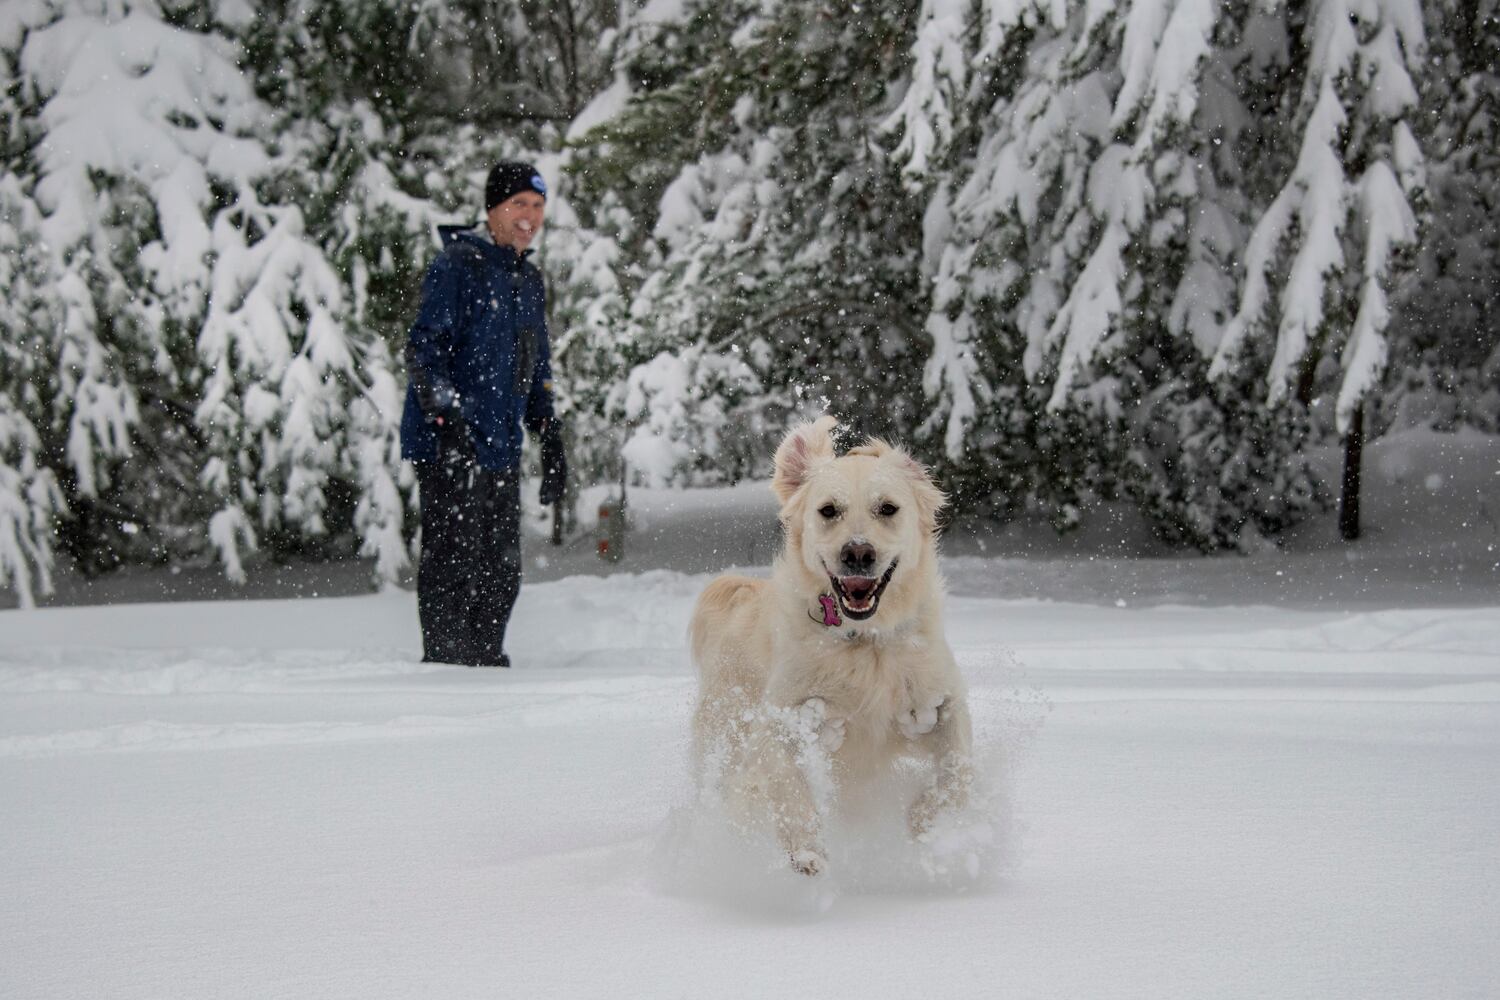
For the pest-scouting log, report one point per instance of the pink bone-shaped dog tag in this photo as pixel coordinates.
(830, 610)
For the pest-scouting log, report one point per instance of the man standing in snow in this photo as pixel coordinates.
(479, 367)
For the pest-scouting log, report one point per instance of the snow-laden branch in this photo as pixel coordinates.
(925, 117)
(1388, 224)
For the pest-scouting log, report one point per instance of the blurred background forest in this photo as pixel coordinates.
(1150, 252)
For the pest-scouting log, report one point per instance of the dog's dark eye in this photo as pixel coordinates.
(888, 509)
(829, 511)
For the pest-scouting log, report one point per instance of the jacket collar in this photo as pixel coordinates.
(478, 235)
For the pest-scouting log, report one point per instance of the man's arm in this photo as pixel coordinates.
(429, 344)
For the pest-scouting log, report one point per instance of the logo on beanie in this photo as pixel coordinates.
(537, 184)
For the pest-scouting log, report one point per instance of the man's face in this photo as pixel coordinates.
(516, 220)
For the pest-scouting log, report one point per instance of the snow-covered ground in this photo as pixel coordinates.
(1264, 777)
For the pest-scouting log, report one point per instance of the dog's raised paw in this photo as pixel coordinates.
(812, 712)
(828, 730)
(920, 719)
(808, 862)
(831, 734)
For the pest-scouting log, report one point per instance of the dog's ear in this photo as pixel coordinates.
(805, 447)
(930, 499)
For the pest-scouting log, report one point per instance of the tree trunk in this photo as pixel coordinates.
(1354, 445)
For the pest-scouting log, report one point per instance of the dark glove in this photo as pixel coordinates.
(455, 445)
(436, 401)
(554, 465)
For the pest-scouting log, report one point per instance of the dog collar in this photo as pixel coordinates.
(831, 617)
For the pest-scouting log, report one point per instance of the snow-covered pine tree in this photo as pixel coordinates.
(206, 385)
(87, 155)
(1207, 459)
(587, 324)
(30, 499)
(614, 169)
(1445, 341)
(783, 260)
(1336, 231)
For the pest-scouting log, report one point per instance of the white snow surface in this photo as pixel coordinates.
(1186, 794)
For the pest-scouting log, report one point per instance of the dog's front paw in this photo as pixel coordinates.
(808, 862)
(831, 734)
(949, 792)
(827, 730)
(925, 811)
(920, 719)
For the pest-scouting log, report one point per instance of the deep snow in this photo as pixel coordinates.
(1204, 780)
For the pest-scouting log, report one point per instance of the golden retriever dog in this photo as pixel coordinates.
(835, 668)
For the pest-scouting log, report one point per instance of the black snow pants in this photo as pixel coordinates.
(470, 569)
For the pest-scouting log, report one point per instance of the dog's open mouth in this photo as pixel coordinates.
(859, 596)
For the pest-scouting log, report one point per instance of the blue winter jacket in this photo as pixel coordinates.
(478, 346)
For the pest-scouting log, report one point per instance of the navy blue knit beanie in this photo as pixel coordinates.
(509, 178)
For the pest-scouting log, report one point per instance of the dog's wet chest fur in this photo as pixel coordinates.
(867, 683)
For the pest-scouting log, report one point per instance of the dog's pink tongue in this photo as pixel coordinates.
(859, 587)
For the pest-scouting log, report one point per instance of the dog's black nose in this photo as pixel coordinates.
(858, 558)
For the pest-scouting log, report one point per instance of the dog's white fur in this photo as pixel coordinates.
(772, 676)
